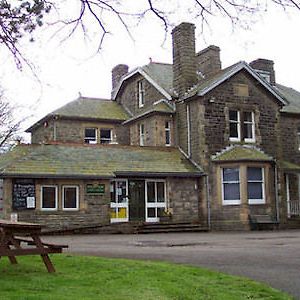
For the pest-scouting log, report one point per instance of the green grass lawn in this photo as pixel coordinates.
(82, 277)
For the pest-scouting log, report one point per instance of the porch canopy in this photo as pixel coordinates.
(94, 162)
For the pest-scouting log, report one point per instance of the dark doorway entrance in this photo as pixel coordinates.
(136, 200)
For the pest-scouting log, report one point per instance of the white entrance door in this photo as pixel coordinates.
(155, 191)
(119, 201)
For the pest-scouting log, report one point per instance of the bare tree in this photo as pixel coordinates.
(25, 16)
(9, 126)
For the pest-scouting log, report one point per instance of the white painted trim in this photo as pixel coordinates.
(77, 198)
(120, 205)
(288, 199)
(96, 136)
(56, 198)
(233, 201)
(238, 122)
(252, 140)
(263, 200)
(147, 77)
(142, 134)
(243, 65)
(154, 204)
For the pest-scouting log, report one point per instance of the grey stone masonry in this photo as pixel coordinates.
(208, 61)
(184, 58)
(265, 65)
(117, 72)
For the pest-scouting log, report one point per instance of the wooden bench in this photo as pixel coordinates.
(260, 222)
(11, 244)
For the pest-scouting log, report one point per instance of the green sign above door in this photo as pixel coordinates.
(95, 188)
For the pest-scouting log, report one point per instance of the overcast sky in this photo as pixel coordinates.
(64, 70)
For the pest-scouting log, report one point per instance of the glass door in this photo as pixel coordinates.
(119, 201)
(155, 199)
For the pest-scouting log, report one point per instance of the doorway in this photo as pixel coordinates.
(136, 200)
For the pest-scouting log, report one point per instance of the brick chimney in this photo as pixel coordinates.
(208, 61)
(267, 68)
(117, 72)
(184, 58)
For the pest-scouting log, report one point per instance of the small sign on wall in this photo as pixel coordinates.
(95, 189)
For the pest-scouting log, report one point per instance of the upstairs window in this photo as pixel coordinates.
(90, 136)
(168, 133)
(142, 134)
(241, 126)
(141, 93)
(234, 125)
(105, 136)
(231, 186)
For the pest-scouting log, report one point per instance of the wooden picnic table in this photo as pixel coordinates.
(12, 242)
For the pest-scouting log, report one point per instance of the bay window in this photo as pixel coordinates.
(231, 186)
(255, 184)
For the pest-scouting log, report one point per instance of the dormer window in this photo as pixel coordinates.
(241, 126)
(141, 93)
(265, 75)
(90, 136)
(105, 136)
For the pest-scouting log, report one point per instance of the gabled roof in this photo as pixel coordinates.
(94, 161)
(210, 83)
(159, 107)
(241, 153)
(158, 74)
(88, 108)
(292, 96)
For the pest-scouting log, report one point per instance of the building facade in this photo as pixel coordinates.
(190, 141)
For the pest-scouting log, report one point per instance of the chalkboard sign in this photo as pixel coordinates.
(23, 194)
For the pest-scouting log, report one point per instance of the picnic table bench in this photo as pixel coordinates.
(12, 242)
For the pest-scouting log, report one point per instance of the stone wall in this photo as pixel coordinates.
(185, 200)
(290, 126)
(154, 131)
(73, 131)
(93, 209)
(128, 96)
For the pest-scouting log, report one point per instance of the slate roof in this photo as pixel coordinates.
(161, 107)
(241, 153)
(88, 108)
(94, 161)
(292, 96)
(289, 167)
(162, 74)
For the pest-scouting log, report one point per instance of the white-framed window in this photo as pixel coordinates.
(298, 138)
(70, 197)
(105, 136)
(155, 191)
(231, 186)
(49, 197)
(119, 200)
(90, 135)
(234, 125)
(241, 126)
(255, 185)
(141, 93)
(248, 126)
(168, 133)
(142, 134)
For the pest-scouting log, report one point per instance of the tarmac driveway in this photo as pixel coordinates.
(270, 257)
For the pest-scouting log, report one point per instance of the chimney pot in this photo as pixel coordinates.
(266, 65)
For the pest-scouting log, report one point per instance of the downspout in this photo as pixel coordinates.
(208, 202)
(188, 121)
(276, 194)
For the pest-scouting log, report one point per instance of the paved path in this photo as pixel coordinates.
(270, 257)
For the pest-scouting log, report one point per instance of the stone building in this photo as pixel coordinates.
(190, 141)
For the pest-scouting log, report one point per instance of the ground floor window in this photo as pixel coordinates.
(231, 186)
(232, 182)
(255, 185)
(70, 197)
(49, 197)
(155, 200)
